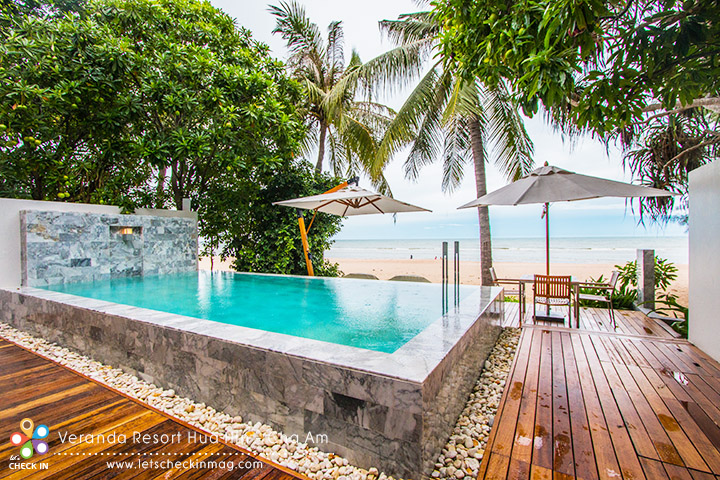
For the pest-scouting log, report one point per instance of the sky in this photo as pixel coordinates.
(590, 218)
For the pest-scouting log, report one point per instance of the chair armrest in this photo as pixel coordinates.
(599, 286)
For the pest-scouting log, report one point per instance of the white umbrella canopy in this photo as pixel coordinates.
(549, 184)
(351, 200)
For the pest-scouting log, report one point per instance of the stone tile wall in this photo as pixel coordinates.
(394, 424)
(64, 247)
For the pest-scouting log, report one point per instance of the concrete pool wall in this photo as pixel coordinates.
(392, 411)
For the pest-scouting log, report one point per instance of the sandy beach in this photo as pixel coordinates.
(470, 271)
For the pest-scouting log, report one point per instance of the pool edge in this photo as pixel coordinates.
(392, 422)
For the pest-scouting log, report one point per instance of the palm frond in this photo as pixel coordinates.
(465, 101)
(359, 138)
(377, 115)
(315, 94)
(354, 59)
(410, 28)
(381, 185)
(335, 50)
(506, 130)
(310, 140)
(429, 136)
(409, 119)
(456, 152)
(301, 35)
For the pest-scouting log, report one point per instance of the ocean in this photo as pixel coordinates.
(615, 250)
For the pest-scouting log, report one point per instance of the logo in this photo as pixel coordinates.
(30, 439)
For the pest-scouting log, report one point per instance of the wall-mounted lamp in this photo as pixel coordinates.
(125, 230)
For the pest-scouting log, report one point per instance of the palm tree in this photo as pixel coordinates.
(448, 117)
(337, 120)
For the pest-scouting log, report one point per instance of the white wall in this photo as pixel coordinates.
(10, 263)
(704, 244)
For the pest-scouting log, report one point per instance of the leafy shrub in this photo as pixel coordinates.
(240, 221)
(625, 294)
(665, 273)
(623, 297)
(670, 307)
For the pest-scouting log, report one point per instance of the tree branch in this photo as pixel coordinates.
(715, 139)
(700, 102)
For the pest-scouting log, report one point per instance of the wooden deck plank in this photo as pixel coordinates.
(497, 467)
(677, 473)
(542, 439)
(518, 470)
(525, 429)
(607, 465)
(644, 446)
(563, 459)
(637, 401)
(502, 437)
(701, 475)
(653, 469)
(629, 464)
(70, 403)
(584, 456)
(657, 435)
(689, 454)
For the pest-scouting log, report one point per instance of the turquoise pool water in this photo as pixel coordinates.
(370, 314)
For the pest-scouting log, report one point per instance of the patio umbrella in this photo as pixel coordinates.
(344, 200)
(351, 200)
(549, 184)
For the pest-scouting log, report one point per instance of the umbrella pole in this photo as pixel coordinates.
(547, 239)
(547, 247)
(306, 248)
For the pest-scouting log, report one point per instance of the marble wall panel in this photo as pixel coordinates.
(64, 247)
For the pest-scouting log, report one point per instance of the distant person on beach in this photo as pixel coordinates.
(410, 257)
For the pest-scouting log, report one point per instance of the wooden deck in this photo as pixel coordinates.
(596, 402)
(629, 322)
(68, 403)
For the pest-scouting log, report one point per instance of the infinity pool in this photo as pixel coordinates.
(370, 314)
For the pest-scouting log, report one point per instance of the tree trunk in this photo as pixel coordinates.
(321, 147)
(476, 141)
(176, 183)
(160, 190)
(37, 190)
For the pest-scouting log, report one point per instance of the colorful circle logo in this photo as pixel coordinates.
(30, 439)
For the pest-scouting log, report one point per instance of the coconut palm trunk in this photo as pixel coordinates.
(478, 153)
(321, 147)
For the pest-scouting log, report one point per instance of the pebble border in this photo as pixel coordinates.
(460, 459)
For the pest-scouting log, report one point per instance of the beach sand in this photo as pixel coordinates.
(470, 271)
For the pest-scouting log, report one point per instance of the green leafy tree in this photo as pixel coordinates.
(144, 103)
(348, 127)
(239, 220)
(641, 71)
(449, 118)
(212, 98)
(67, 111)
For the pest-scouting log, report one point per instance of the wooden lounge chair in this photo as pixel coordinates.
(607, 290)
(552, 291)
(518, 291)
